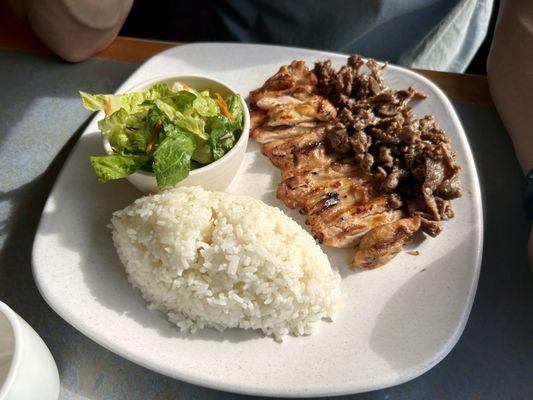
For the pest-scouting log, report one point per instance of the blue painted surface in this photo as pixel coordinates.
(40, 118)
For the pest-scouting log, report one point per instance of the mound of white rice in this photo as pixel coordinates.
(211, 259)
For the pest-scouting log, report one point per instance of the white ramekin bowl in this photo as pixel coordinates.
(215, 176)
(28, 370)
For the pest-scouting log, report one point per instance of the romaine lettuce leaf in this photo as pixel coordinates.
(171, 130)
(221, 136)
(116, 166)
(203, 153)
(162, 111)
(165, 108)
(172, 160)
(126, 132)
(195, 125)
(93, 102)
(235, 108)
(182, 99)
(131, 102)
(205, 105)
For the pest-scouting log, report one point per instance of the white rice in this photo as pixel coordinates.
(211, 259)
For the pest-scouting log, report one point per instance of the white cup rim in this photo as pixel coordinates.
(16, 328)
(216, 163)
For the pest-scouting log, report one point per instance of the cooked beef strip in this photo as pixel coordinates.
(411, 157)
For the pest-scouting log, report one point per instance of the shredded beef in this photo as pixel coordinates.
(412, 158)
(339, 139)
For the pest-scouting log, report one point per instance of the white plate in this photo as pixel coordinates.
(398, 321)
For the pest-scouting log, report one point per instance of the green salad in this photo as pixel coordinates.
(165, 130)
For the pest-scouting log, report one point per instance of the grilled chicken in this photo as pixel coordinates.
(299, 107)
(344, 204)
(382, 243)
(285, 81)
(300, 151)
(345, 226)
(288, 98)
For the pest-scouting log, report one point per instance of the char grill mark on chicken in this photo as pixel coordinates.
(353, 158)
(286, 81)
(382, 243)
(288, 98)
(344, 226)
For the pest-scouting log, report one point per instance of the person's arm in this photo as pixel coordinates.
(510, 75)
(77, 29)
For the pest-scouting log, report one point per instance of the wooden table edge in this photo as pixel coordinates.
(465, 88)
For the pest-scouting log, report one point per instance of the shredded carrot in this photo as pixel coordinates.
(107, 106)
(223, 106)
(150, 145)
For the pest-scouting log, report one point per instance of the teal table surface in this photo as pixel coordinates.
(40, 120)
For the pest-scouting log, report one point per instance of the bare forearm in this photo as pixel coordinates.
(76, 29)
(510, 74)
